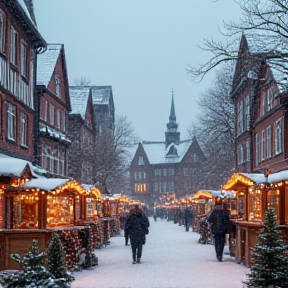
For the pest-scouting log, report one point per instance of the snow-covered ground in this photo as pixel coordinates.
(172, 258)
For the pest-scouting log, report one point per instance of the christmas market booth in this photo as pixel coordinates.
(37, 208)
(255, 194)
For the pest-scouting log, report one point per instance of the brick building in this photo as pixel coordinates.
(54, 105)
(169, 166)
(20, 42)
(260, 95)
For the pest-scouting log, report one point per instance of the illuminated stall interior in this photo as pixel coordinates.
(94, 204)
(45, 203)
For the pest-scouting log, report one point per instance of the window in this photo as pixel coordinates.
(46, 111)
(268, 139)
(240, 154)
(257, 149)
(247, 112)
(58, 85)
(24, 59)
(248, 150)
(164, 187)
(2, 31)
(185, 171)
(51, 114)
(23, 129)
(157, 172)
(268, 100)
(64, 121)
(278, 136)
(171, 172)
(171, 186)
(185, 185)
(164, 172)
(143, 187)
(240, 118)
(155, 186)
(195, 157)
(11, 122)
(263, 145)
(141, 161)
(58, 119)
(13, 46)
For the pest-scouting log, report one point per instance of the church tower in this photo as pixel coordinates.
(172, 135)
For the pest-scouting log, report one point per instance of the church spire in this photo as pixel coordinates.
(172, 135)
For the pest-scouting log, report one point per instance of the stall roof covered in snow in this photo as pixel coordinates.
(79, 99)
(46, 63)
(278, 176)
(257, 178)
(44, 184)
(158, 153)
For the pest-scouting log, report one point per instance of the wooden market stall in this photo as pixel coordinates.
(36, 209)
(251, 194)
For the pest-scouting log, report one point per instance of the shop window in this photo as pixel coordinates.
(25, 212)
(273, 201)
(255, 205)
(60, 211)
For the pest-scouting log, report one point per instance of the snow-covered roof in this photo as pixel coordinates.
(46, 63)
(257, 178)
(79, 99)
(278, 176)
(101, 94)
(54, 133)
(157, 151)
(44, 184)
(10, 166)
(24, 7)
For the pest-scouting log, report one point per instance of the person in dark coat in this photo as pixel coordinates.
(126, 224)
(137, 227)
(220, 220)
(188, 218)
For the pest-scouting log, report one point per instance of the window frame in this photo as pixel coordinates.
(23, 129)
(11, 122)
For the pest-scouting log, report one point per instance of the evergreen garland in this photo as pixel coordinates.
(56, 260)
(34, 273)
(271, 263)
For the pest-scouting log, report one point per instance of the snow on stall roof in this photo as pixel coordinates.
(47, 184)
(156, 151)
(46, 63)
(278, 176)
(79, 99)
(101, 94)
(258, 178)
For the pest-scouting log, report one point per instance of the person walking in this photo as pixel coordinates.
(188, 218)
(126, 224)
(219, 219)
(137, 227)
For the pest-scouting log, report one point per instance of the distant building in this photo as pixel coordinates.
(169, 166)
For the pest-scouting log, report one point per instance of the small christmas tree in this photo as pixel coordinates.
(34, 273)
(271, 263)
(56, 260)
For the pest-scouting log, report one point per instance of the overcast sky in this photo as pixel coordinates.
(140, 48)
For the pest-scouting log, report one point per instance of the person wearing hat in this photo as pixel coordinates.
(219, 219)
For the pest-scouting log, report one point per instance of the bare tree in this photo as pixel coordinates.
(266, 21)
(215, 129)
(110, 164)
(83, 81)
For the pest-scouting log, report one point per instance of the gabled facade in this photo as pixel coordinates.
(260, 110)
(82, 134)
(171, 166)
(20, 42)
(54, 105)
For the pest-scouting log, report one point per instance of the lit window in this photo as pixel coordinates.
(141, 187)
(11, 121)
(23, 129)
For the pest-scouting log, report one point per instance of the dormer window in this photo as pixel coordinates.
(58, 85)
(141, 161)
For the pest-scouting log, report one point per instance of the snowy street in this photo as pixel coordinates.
(172, 258)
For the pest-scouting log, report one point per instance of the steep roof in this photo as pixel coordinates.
(46, 63)
(158, 153)
(79, 99)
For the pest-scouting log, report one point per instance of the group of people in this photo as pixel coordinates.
(136, 228)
